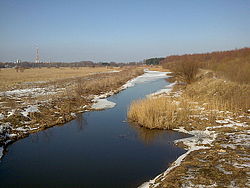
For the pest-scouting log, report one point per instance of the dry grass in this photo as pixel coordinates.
(77, 94)
(237, 70)
(207, 99)
(220, 94)
(9, 77)
(105, 82)
(160, 113)
(158, 68)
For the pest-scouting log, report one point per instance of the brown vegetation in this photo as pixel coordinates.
(220, 94)
(233, 65)
(217, 99)
(10, 77)
(74, 96)
(160, 113)
(225, 87)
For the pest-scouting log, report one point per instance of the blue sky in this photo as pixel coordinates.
(120, 30)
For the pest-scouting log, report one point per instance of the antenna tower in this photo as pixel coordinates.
(37, 56)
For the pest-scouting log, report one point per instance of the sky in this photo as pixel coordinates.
(120, 30)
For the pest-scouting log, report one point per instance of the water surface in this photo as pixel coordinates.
(97, 150)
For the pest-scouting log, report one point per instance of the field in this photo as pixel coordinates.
(10, 77)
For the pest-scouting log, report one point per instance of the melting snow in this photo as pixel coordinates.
(30, 92)
(11, 112)
(221, 121)
(167, 89)
(103, 104)
(1, 116)
(199, 137)
(26, 111)
(146, 77)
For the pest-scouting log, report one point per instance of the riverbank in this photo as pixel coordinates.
(39, 105)
(218, 153)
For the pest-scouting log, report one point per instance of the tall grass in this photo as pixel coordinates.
(220, 94)
(159, 113)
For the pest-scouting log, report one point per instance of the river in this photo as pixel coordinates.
(97, 149)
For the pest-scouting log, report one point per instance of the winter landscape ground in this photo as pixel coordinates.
(211, 105)
(34, 101)
(124, 94)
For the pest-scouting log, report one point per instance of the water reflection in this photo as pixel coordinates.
(152, 136)
(45, 135)
(95, 146)
(80, 122)
(147, 136)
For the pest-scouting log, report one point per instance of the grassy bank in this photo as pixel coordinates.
(214, 89)
(213, 104)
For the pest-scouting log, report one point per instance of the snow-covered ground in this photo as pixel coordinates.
(33, 92)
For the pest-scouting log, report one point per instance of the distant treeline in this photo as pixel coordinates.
(153, 61)
(233, 64)
(61, 64)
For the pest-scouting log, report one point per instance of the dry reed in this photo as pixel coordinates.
(160, 113)
(220, 94)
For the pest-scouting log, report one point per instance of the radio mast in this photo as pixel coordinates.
(37, 56)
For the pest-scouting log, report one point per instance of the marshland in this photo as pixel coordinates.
(124, 94)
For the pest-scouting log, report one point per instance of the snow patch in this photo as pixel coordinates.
(193, 143)
(114, 71)
(31, 92)
(11, 112)
(1, 116)
(102, 104)
(73, 114)
(31, 108)
(166, 90)
(221, 121)
(146, 77)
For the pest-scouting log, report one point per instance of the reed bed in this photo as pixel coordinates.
(220, 94)
(159, 113)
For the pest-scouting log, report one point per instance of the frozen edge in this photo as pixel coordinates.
(199, 137)
(168, 88)
(101, 103)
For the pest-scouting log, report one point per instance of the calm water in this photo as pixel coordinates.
(98, 149)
